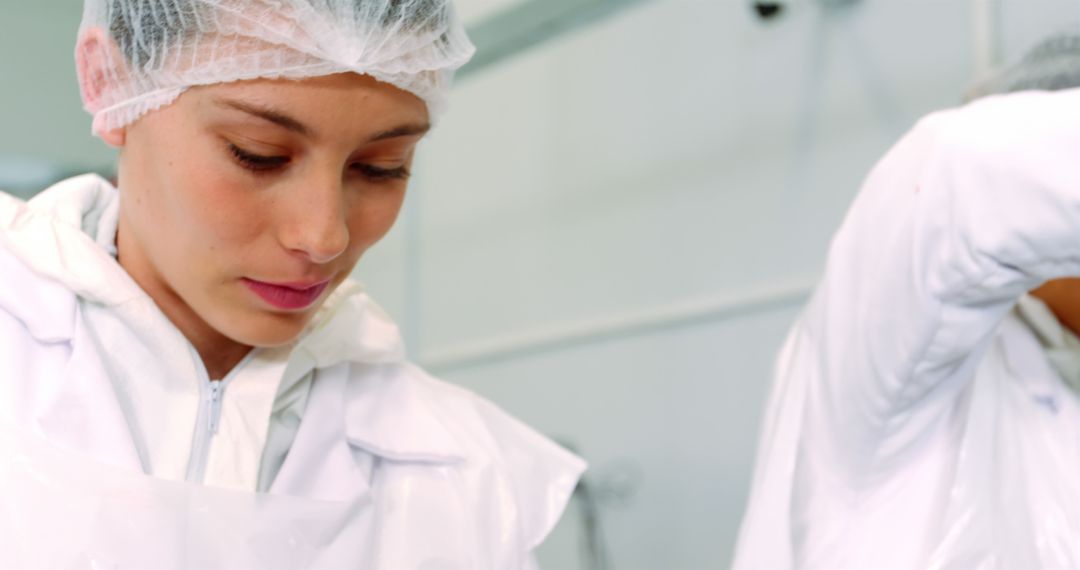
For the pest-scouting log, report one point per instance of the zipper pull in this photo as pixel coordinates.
(215, 406)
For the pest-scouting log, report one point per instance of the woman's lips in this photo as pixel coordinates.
(287, 296)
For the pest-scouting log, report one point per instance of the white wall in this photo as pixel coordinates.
(658, 162)
(41, 115)
(473, 11)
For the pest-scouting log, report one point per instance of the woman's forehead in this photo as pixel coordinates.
(341, 87)
(349, 104)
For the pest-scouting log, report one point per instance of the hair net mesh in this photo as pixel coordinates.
(150, 51)
(1053, 64)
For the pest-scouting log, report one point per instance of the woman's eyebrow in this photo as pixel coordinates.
(283, 120)
(268, 114)
(402, 131)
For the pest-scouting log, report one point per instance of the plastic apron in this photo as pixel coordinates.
(62, 510)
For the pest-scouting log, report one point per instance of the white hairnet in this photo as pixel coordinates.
(1052, 65)
(148, 52)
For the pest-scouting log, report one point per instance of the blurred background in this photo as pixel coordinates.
(623, 212)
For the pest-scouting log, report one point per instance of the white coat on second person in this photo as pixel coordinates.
(917, 420)
(427, 475)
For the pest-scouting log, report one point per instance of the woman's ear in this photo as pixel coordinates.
(96, 62)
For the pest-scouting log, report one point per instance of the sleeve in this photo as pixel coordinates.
(973, 208)
(544, 475)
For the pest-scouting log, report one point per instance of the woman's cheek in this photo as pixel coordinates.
(376, 219)
(228, 212)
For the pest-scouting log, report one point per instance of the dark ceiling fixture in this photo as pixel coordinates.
(768, 11)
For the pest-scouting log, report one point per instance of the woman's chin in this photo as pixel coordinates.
(266, 330)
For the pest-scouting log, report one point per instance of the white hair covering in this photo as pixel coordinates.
(1052, 65)
(149, 51)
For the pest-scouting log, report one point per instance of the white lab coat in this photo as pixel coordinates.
(916, 420)
(116, 450)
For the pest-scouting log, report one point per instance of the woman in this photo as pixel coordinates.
(190, 378)
(926, 410)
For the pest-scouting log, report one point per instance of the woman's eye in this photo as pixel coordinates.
(257, 162)
(376, 173)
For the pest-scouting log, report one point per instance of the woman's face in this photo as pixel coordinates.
(244, 205)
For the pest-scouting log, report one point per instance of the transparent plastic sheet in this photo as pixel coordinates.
(60, 510)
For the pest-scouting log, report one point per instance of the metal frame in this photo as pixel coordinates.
(531, 23)
(987, 17)
(627, 325)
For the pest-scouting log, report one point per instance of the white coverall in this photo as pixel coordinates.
(919, 419)
(117, 450)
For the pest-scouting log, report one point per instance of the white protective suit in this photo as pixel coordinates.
(919, 419)
(117, 451)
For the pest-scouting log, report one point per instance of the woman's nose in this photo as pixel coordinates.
(318, 227)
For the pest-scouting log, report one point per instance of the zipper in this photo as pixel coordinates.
(214, 415)
(211, 394)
